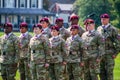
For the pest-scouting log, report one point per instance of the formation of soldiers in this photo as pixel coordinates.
(56, 53)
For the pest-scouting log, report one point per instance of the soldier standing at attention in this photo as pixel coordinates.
(9, 53)
(74, 19)
(63, 32)
(74, 52)
(92, 46)
(38, 48)
(109, 34)
(24, 40)
(58, 53)
(45, 26)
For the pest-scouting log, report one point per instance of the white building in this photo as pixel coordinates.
(17, 11)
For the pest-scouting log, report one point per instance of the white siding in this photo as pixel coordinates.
(64, 16)
(28, 3)
(40, 4)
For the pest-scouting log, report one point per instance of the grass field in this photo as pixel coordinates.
(116, 68)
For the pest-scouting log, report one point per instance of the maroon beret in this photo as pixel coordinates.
(74, 27)
(88, 21)
(37, 25)
(105, 16)
(72, 17)
(44, 19)
(8, 25)
(58, 20)
(55, 28)
(24, 24)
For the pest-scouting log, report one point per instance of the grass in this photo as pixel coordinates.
(116, 68)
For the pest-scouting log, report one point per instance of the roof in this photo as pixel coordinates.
(51, 2)
(66, 7)
(57, 7)
(25, 11)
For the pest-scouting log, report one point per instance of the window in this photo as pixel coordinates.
(33, 3)
(22, 3)
(9, 3)
(9, 19)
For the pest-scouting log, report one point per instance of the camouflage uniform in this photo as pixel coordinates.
(47, 32)
(24, 60)
(74, 58)
(92, 47)
(9, 56)
(107, 63)
(39, 56)
(64, 33)
(57, 52)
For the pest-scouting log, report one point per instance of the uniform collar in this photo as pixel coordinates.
(8, 35)
(44, 29)
(106, 26)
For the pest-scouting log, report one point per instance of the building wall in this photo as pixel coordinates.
(65, 16)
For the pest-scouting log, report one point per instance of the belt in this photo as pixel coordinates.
(37, 51)
(73, 52)
(90, 48)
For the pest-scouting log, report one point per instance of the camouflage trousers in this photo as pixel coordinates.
(8, 71)
(39, 72)
(74, 71)
(106, 67)
(58, 71)
(91, 69)
(24, 69)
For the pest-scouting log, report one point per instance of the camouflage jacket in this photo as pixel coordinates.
(47, 32)
(74, 50)
(57, 49)
(64, 33)
(24, 42)
(9, 48)
(110, 39)
(93, 45)
(38, 48)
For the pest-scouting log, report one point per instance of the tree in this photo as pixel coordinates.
(94, 8)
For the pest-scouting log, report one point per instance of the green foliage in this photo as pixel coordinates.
(84, 8)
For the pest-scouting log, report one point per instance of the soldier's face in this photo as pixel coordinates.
(44, 24)
(60, 24)
(54, 32)
(23, 29)
(37, 30)
(74, 21)
(7, 30)
(74, 31)
(104, 21)
(90, 26)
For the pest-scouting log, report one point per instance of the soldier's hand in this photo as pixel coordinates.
(97, 60)
(82, 64)
(113, 56)
(46, 65)
(64, 63)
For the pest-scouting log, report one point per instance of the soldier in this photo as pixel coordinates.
(38, 49)
(24, 39)
(109, 34)
(9, 53)
(74, 52)
(45, 25)
(58, 53)
(92, 46)
(63, 32)
(74, 21)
